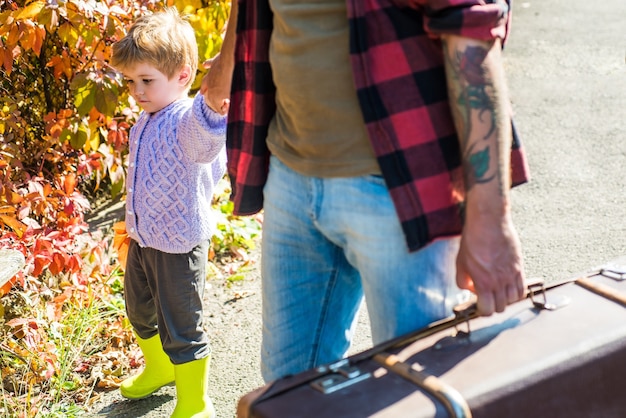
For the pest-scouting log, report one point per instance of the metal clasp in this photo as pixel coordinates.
(341, 374)
(614, 271)
(556, 301)
(463, 312)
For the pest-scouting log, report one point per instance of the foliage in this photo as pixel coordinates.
(234, 235)
(66, 115)
(64, 122)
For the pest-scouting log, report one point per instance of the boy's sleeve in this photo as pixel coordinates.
(202, 132)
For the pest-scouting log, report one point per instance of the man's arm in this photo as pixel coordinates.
(490, 259)
(216, 83)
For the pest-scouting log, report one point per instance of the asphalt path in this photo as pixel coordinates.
(565, 63)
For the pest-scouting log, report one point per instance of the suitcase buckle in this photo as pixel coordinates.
(537, 287)
(341, 374)
(616, 272)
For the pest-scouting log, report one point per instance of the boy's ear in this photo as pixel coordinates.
(184, 75)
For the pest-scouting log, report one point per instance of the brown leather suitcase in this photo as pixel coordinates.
(559, 353)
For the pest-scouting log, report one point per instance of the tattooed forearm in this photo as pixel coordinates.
(476, 109)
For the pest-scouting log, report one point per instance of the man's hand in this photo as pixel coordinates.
(216, 86)
(489, 263)
(216, 83)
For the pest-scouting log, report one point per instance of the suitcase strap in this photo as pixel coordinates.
(451, 399)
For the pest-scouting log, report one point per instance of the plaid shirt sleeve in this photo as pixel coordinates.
(478, 19)
(252, 107)
(401, 84)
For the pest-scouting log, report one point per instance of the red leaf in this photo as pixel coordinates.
(74, 263)
(57, 264)
(39, 264)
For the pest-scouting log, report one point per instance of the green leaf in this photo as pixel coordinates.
(105, 99)
(85, 98)
(68, 34)
(78, 140)
(116, 188)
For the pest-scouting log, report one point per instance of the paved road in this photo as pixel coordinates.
(567, 78)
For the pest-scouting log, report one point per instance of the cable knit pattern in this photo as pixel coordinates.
(177, 156)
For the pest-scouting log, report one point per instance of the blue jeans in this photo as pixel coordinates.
(327, 242)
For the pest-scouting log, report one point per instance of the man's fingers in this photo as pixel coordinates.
(486, 304)
(514, 293)
(500, 300)
(208, 63)
(496, 300)
(463, 281)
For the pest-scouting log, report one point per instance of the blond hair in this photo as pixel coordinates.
(164, 40)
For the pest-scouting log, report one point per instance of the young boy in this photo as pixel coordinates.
(176, 156)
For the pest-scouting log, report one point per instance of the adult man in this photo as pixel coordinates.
(389, 135)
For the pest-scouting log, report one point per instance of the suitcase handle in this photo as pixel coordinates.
(451, 399)
(535, 291)
(462, 313)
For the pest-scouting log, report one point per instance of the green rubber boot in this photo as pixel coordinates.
(192, 383)
(158, 371)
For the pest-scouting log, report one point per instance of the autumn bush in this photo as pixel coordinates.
(65, 117)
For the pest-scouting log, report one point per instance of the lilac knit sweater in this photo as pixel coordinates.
(177, 155)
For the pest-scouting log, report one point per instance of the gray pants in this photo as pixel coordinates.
(163, 294)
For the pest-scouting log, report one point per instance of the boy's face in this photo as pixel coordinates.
(152, 89)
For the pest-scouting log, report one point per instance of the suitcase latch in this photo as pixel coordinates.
(536, 288)
(613, 271)
(340, 375)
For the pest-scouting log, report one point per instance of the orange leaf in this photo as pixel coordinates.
(119, 227)
(69, 184)
(121, 241)
(14, 36)
(47, 189)
(7, 209)
(56, 129)
(27, 39)
(56, 62)
(40, 34)
(18, 227)
(7, 286)
(15, 198)
(65, 113)
(30, 11)
(7, 60)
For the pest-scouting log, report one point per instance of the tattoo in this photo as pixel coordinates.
(473, 100)
(475, 95)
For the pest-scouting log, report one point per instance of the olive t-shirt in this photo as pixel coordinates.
(318, 128)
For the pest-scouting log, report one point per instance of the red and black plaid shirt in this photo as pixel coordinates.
(397, 61)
